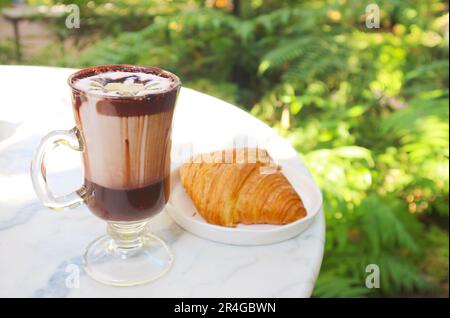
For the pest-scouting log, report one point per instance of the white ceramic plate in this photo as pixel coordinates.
(181, 208)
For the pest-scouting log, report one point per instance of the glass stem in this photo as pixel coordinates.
(128, 237)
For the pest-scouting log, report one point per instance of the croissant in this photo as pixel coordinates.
(242, 185)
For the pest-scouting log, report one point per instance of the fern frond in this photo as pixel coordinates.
(383, 228)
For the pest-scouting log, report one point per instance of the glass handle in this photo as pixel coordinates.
(71, 138)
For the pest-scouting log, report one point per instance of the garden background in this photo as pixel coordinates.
(366, 109)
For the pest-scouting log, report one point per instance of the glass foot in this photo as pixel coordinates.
(128, 255)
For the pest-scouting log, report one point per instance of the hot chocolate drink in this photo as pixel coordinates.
(124, 114)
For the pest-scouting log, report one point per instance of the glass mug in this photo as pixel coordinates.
(125, 141)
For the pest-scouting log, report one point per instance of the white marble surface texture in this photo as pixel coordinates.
(41, 250)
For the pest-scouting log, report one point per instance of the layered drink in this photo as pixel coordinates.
(124, 114)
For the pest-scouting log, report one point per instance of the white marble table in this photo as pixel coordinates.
(40, 249)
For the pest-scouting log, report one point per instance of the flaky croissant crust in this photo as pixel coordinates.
(243, 185)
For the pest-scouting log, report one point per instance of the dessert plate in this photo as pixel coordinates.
(181, 208)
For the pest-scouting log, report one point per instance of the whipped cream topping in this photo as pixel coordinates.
(124, 84)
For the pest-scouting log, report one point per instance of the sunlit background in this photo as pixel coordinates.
(366, 109)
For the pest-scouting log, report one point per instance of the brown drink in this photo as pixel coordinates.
(124, 124)
(124, 114)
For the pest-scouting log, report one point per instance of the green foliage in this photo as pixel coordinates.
(7, 52)
(367, 110)
(4, 3)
